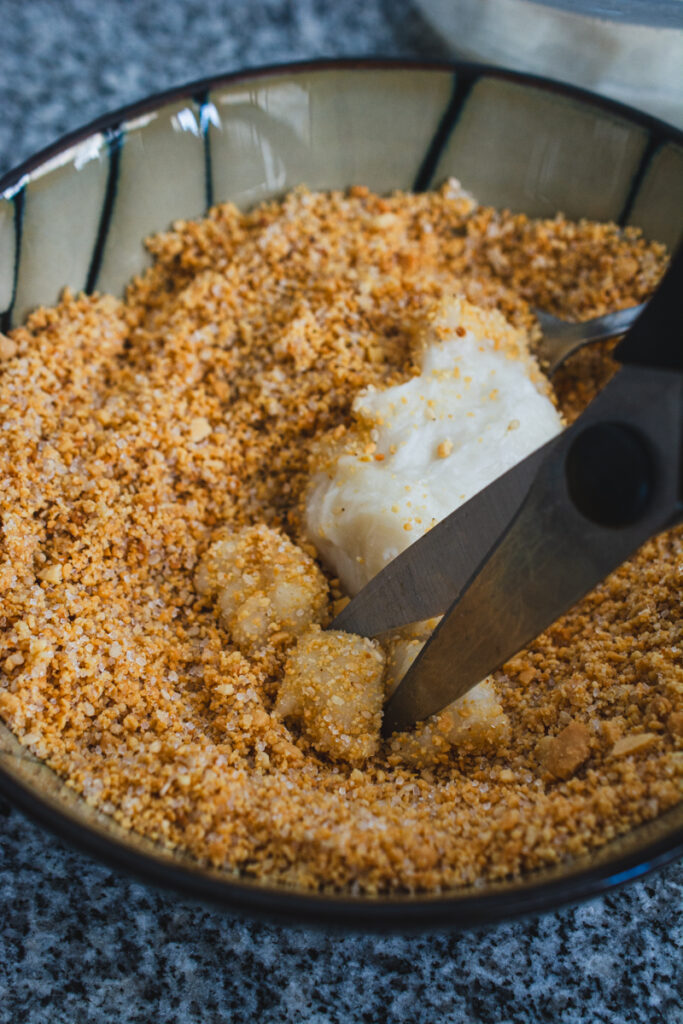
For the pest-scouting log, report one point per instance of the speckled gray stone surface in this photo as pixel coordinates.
(81, 943)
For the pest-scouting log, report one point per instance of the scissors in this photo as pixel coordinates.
(522, 551)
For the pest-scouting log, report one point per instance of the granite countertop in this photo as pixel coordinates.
(83, 943)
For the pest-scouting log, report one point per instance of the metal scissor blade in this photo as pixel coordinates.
(426, 578)
(554, 551)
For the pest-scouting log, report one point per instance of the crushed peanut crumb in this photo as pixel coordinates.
(200, 428)
(7, 347)
(634, 744)
(563, 754)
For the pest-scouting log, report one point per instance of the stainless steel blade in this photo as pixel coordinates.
(426, 578)
(552, 554)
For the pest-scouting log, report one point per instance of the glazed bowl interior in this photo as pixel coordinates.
(76, 215)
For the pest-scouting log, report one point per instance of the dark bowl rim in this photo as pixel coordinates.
(252, 899)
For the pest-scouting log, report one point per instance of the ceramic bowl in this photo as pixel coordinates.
(76, 215)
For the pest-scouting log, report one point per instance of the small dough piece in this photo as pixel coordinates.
(473, 723)
(333, 686)
(401, 651)
(264, 583)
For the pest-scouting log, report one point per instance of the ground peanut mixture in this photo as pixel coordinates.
(136, 433)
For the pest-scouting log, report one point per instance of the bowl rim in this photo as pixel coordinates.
(404, 912)
(661, 130)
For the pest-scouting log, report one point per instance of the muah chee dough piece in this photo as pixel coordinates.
(333, 685)
(264, 584)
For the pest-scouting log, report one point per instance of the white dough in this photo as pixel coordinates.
(473, 412)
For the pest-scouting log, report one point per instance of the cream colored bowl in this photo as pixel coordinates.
(76, 215)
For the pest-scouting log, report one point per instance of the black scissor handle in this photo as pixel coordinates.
(656, 338)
